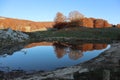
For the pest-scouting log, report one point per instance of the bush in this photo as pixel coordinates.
(118, 37)
(60, 25)
(67, 24)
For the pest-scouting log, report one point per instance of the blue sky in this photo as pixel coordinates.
(45, 10)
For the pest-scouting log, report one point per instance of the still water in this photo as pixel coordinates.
(46, 56)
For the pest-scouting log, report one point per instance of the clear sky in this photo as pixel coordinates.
(45, 10)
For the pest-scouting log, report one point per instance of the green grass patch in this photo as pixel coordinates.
(80, 33)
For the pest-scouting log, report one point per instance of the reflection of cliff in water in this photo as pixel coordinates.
(39, 44)
(75, 51)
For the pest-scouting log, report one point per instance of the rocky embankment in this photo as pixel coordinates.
(12, 36)
(9, 39)
(104, 67)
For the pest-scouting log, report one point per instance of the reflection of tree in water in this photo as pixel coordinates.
(75, 51)
(62, 49)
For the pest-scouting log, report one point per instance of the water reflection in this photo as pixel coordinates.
(6, 50)
(39, 44)
(75, 51)
(49, 55)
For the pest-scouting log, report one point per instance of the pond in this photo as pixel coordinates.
(46, 56)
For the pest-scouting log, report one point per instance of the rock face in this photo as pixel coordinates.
(87, 22)
(118, 25)
(100, 23)
(94, 23)
(13, 36)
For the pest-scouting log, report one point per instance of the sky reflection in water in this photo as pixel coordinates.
(35, 57)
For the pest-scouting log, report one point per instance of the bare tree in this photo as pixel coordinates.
(59, 18)
(75, 16)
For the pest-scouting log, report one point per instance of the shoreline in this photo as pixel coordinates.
(68, 73)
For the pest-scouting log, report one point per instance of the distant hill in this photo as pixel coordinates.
(24, 25)
(31, 26)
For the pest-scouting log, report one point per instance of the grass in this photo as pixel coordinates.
(79, 33)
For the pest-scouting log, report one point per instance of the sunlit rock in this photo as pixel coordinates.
(118, 25)
(94, 23)
(100, 23)
(87, 22)
(106, 24)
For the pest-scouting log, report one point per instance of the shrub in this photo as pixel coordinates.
(60, 25)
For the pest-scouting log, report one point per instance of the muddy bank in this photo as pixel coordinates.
(106, 66)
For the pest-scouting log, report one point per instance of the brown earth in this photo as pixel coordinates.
(24, 25)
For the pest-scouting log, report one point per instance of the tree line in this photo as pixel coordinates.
(62, 21)
(76, 19)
